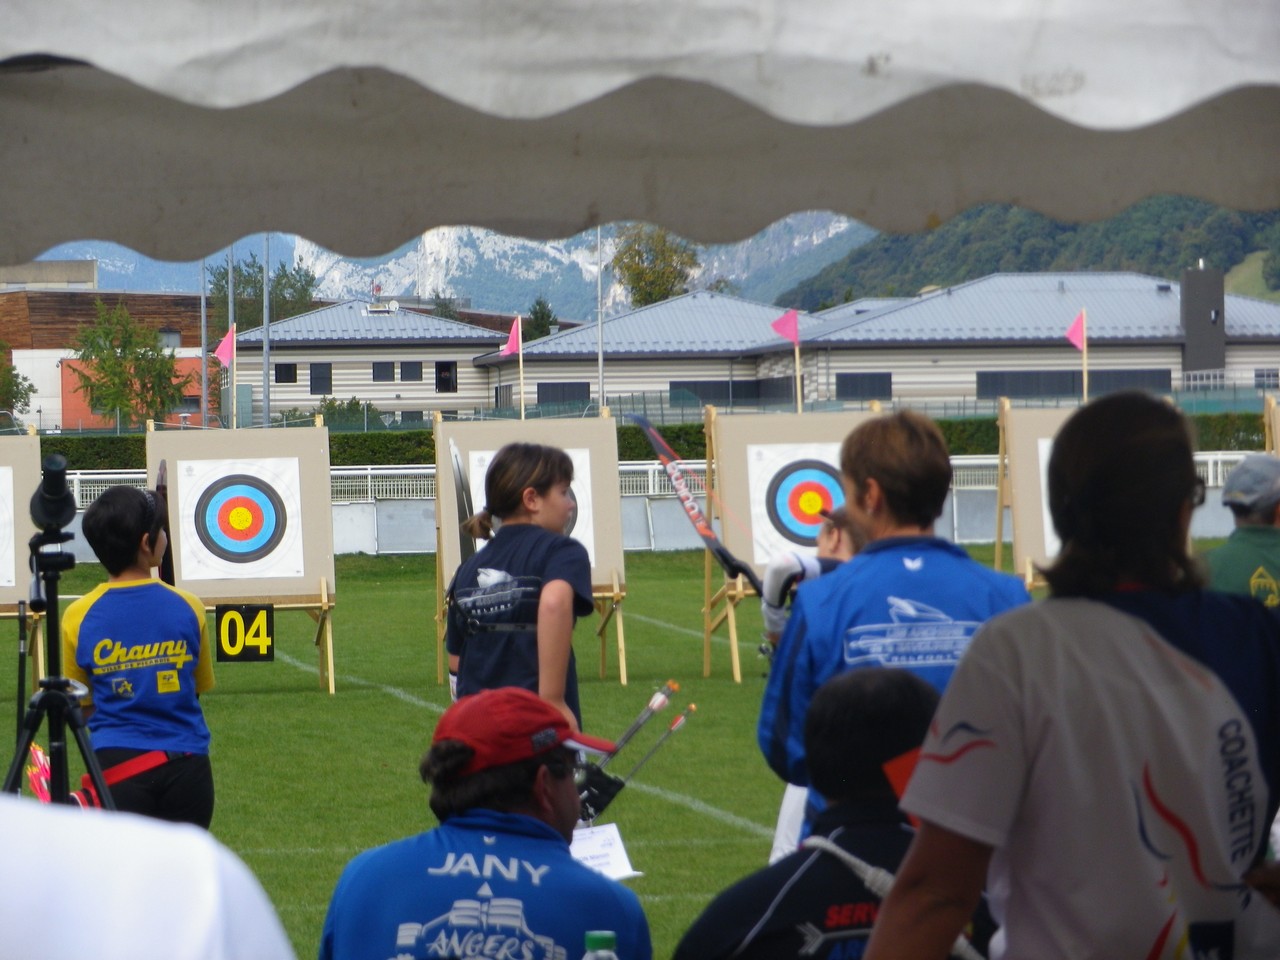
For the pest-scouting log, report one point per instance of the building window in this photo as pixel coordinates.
(410, 416)
(170, 339)
(286, 373)
(864, 386)
(1069, 383)
(502, 396)
(446, 376)
(411, 371)
(577, 392)
(384, 371)
(1266, 378)
(321, 379)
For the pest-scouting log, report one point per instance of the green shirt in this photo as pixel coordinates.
(1248, 563)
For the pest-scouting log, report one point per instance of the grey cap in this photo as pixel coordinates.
(1254, 484)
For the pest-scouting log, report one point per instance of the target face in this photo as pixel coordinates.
(788, 485)
(8, 565)
(240, 519)
(796, 497)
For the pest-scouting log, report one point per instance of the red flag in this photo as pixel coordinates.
(788, 326)
(226, 348)
(1075, 333)
(513, 340)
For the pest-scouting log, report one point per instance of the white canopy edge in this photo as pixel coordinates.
(361, 161)
(1096, 63)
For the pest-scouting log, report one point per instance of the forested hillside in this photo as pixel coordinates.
(1160, 236)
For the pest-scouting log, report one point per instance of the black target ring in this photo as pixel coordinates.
(796, 495)
(240, 518)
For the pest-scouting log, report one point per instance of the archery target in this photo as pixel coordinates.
(580, 525)
(240, 519)
(789, 483)
(7, 563)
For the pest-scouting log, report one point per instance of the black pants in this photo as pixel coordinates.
(180, 790)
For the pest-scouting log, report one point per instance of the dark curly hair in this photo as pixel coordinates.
(506, 788)
(1121, 474)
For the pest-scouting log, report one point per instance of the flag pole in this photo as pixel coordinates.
(1084, 353)
(231, 325)
(520, 358)
(799, 389)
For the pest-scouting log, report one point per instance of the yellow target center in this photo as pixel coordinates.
(810, 502)
(240, 518)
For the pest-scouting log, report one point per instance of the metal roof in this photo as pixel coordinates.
(699, 324)
(861, 307)
(355, 322)
(1006, 307)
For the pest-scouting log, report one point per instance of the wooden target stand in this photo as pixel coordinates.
(719, 602)
(1018, 486)
(605, 597)
(319, 606)
(720, 599)
(1270, 425)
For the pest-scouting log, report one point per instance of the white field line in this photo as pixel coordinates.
(674, 628)
(692, 803)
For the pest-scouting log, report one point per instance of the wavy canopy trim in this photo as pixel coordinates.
(175, 126)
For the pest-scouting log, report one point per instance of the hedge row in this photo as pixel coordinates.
(1218, 431)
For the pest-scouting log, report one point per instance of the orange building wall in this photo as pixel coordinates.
(76, 414)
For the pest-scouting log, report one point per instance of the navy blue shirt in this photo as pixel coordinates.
(493, 608)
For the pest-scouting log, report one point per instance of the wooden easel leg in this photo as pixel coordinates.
(442, 612)
(39, 663)
(622, 647)
(324, 637)
(732, 603)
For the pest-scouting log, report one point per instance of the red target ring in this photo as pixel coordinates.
(797, 496)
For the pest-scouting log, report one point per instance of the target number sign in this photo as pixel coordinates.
(246, 632)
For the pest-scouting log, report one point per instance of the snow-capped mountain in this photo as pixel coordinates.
(501, 273)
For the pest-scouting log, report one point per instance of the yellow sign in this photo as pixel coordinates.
(246, 632)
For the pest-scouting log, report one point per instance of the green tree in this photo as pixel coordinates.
(1271, 262)
(15, 389)
(293, 291)
(123, 370)
(653, 264)
(444, 306)
(538, 323)
(354, 414)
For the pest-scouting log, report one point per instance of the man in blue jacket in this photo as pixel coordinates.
(908, 599)
(496, 877)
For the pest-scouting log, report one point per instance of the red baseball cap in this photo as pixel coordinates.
(508, 725)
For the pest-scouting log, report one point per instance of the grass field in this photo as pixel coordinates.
(305, 780)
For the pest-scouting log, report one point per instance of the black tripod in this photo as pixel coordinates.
(52, 508)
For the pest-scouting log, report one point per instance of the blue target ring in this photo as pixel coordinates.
(796, 496)
(240, 518)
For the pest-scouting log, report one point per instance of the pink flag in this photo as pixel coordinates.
(788, 326)
(226, 348)
(1075, 333)
(513, 340)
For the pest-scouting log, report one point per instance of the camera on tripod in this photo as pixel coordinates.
(53, 506)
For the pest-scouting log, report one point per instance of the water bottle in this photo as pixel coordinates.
(601, 945)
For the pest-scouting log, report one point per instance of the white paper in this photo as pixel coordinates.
(601, 849)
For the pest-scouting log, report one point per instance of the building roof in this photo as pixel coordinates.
(1039, 307)
(695, 324)
(357, 323)
(861, 307)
